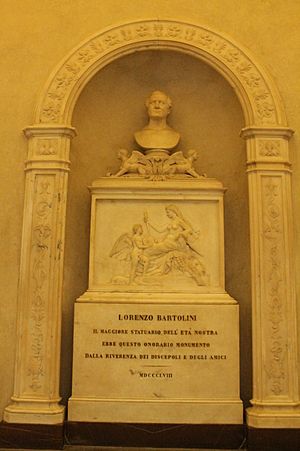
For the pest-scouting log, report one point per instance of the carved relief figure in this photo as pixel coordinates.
(179, 164)
(136, 163)
(154, 252)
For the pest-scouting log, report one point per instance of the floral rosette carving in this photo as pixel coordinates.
(159, 33)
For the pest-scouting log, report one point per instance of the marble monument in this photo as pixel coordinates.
(156, 335)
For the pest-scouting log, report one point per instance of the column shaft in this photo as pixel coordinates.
(36, 389)
(275, 402)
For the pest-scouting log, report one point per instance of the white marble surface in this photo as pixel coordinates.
(156, 336)
(151, 236)
(156, 363)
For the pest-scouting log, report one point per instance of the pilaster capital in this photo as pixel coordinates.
(48, 146)
(267, 148)
(266, 132)
(49, 130)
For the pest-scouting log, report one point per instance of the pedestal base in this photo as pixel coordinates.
(34, 413)
(275, 417)
(149, 411)
(156, 363)
(156, 336)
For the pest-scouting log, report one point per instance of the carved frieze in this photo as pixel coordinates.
(160, 34)
(39, 282)
(47, 147)
(276, 340)
(269, 148)
(150, 253)
(157, 167)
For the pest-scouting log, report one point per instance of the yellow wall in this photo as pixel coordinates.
(36, 35)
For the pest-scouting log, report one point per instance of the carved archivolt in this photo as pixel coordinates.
(258, 96)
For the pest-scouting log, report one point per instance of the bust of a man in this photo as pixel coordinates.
(157, 134)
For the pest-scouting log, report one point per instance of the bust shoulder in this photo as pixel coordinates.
(148, 138)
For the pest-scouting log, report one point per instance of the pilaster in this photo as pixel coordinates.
(275, 402)
(36, 386)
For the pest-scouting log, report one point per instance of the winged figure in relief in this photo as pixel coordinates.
(136, 163)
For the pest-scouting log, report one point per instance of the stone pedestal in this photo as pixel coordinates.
(153, 363)
(156, 335)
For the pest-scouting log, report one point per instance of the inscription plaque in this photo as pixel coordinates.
(136, 354)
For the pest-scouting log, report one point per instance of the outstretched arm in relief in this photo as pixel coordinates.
(148, 224)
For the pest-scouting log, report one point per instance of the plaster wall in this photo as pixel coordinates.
(36, 36)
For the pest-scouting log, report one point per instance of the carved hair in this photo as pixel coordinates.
(178, 213)
(136, 227)
(175, 210)
(168, 100)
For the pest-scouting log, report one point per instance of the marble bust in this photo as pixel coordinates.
(157, 134)
(157, 158)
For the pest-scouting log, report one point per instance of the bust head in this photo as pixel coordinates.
(158, 105)
(157, 134)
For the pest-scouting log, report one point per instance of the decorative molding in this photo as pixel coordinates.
(49, 131)
(157, 165)
(276, 340)
(266, 132)
(259, 97)
(36, 392)
(39, 284)
(269, 148)
(47, 147)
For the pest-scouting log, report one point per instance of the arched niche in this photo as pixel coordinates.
(209, 117)
(36, 395)
(257, 93)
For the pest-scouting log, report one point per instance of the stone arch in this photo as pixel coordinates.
(275, 381)
(257, 93)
